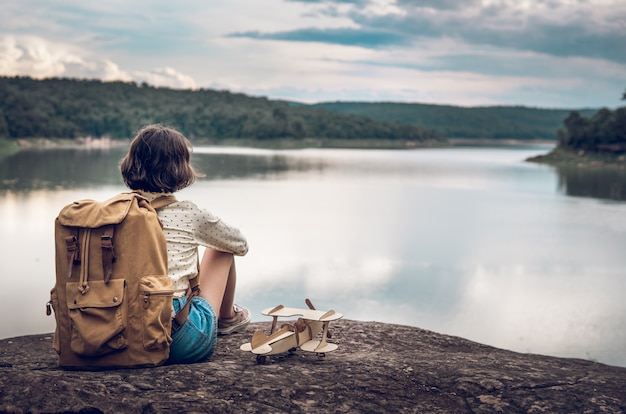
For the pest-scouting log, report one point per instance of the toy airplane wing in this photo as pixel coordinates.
(278, 342)
(311, 314)
(263, 349)
(318, 347)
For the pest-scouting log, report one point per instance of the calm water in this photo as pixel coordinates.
(463, 241)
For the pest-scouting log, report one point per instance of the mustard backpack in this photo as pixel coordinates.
(112, 299)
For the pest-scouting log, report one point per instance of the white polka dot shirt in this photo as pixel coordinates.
(186, 226)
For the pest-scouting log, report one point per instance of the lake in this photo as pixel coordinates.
(465, 241)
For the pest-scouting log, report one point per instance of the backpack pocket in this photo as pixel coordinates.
(156, 295)
(97, 317)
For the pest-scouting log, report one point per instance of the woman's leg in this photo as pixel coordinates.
(218, 279)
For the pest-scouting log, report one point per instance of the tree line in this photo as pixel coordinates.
(604, 132)
(73, 108)
(488, 122)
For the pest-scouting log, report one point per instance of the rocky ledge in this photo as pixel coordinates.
(377, 368)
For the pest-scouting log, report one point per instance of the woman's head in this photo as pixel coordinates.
(158, 161)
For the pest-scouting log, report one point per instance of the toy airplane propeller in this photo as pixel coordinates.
(302, 334)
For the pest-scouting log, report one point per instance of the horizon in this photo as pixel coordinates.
(548, 54)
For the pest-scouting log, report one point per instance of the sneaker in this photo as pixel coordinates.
(236, 324)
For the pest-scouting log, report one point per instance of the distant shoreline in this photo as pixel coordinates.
(277, 143)
(560, 157)
(459, 142)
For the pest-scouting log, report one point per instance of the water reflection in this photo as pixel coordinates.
(260, 164)
(59, 169)
(603, 183)
(72, 168)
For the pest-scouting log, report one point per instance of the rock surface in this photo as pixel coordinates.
(377, 368)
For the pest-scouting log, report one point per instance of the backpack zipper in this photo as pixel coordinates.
(148, 294)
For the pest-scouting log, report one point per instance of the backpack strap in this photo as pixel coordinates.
(193, 291)
(108, 254)
(73, 251)
(194, 288)
(162, 201)
(181, 315)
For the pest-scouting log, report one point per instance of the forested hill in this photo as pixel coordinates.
(70, 108)
(494, 122)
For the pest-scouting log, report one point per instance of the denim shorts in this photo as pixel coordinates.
(196, 339)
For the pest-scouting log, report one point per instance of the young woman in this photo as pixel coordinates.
(157, 164)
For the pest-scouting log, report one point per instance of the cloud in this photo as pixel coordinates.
(584, 29)
(39, 58)
(340, 36)
(166, 77)
(33, 56)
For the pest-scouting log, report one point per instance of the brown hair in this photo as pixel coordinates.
(158, 161)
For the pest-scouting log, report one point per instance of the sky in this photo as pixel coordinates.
(543, 53)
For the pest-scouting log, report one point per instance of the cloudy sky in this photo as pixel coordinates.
(542, 53)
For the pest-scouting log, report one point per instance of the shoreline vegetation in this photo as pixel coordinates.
(73, 108)
(9, 147)
(93, 114)
(596, 142)
(563, 157)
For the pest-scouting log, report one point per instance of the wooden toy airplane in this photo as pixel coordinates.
(289, 337)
